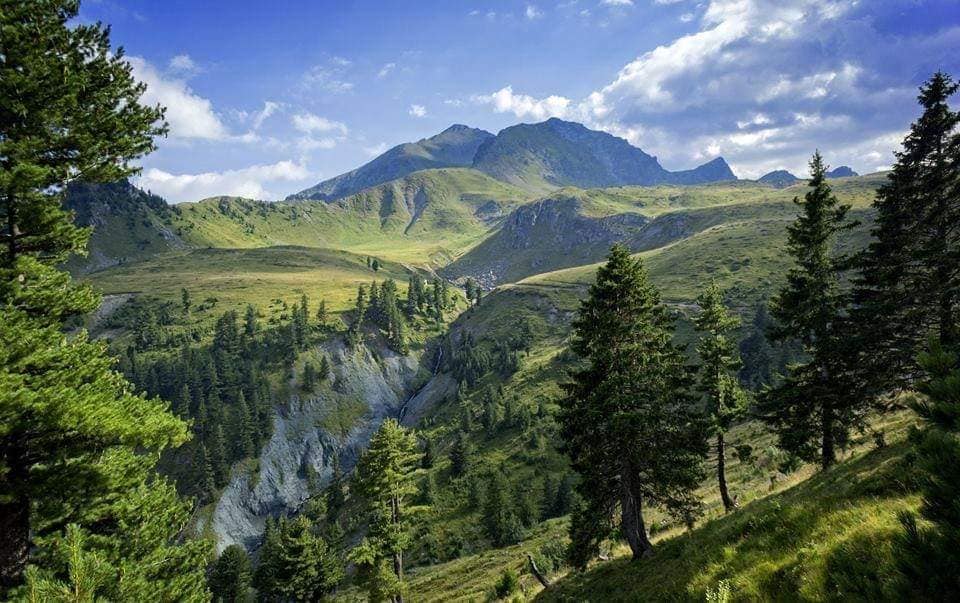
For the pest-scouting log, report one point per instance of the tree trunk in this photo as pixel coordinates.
(397, 555)
(728, 503)
(14, 541)
(536, 572)
(828, 450)
(631, 509)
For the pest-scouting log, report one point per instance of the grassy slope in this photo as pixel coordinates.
(806, 536)
(236, 277)
(676, 213)
(424, 218)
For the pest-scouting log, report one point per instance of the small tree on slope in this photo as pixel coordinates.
(628, 421)
(717, 378)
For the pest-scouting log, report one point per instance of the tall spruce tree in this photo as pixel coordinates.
(231, 575)
(70, 111)
(909, 282)
(386, 478)
(628, 421)
(815, 408)
(717, 376)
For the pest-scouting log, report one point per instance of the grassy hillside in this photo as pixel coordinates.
(425, 218)
(572, 227)
(226, 279)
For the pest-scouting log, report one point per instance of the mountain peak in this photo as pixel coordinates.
(843, 171)
(778, 178)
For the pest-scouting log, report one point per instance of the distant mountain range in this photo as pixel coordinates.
(783, 178)
(537, 157)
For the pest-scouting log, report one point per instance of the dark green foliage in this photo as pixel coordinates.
(461, 455)
(386, 479)
(295, 563)
(229, 578)
(70, 109)
(355, 331)
(628, 422)
(717, 380)
(502, 520)
(909, 280)
(814, 410)
(929, 555)
(508, 584)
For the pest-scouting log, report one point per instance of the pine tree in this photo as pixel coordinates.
(717, 378)
(427, 459)
(71, 110)
(355, 332)
(217, 449)
(244, 431)
(230, 576)
(929, 555)
(461, 455)
(323, 373)
(296, 564)
(909, 281)
(386, 478)
(627, 420)
(500, 520)
(250, 326)
(322, 317)
(185, 300)
(815, 408)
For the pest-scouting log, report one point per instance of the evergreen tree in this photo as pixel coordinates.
(929, 555)
(296, 564)
(309, 381)
(185, 300)
(355, 332)
(461, 455)
(427, 460)
(717, 376)
(909, 281)
(385, 477)
(230, 576)
(815, 408)
(627, 420)
(322, 317)
(71, 110)
(244, 432)
(323, 373)
(250, 326)
(500, 520)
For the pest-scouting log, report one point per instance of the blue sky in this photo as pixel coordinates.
(267, 98)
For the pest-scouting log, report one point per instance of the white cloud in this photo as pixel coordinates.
(617, 2)
(248, 182)
(184, 65)
(329, 77)
(269, 108)
(386, 69)
(189, 115)
(525, 106)
(310, 123)
(532, 12)
(418, 111)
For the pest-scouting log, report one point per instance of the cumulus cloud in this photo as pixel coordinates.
(251, 182)
(417, 111)
(525, 106)
(189, 114)
(310, 123)
(765, 82)
(532, 12)
(184, 65)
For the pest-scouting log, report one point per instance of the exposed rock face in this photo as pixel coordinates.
(305, 436)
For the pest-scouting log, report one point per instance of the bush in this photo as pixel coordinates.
(508, 584)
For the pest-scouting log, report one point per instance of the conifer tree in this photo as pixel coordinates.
(929, 554)
(815, 408)
(717, 376)
(386, 478)
(461, 454)
(323, 373)
(296, 564)
(322, 317)
(627, 421)
(909, 282)
(231, 575)
(500, 519)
